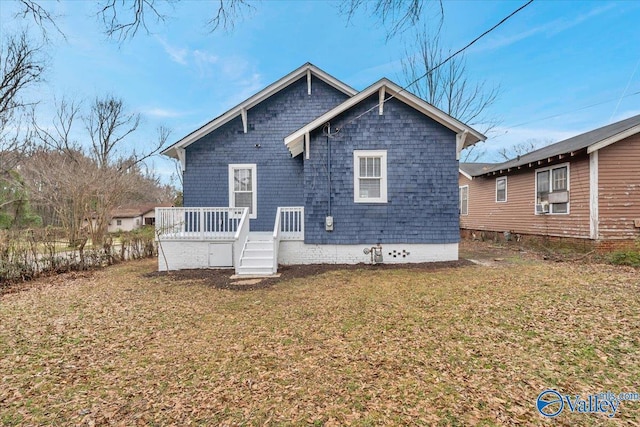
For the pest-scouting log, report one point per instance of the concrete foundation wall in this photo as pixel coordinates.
(295, 252)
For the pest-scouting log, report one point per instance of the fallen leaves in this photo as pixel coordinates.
(459, 345)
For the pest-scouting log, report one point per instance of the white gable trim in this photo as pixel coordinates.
(241, 109)
(295, 140)
(594, 214)
(182, 157)
(466, 175)
(613, 139)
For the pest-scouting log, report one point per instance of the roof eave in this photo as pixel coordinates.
(254, 100)
(396, 91)
(613, 139)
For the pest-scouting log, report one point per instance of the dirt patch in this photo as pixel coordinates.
(492, 253)
(221, 278)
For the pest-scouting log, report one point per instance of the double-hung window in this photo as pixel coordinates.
(501, 189)
(370, 176)
(552, 190)
(243, 188)
(464, 200)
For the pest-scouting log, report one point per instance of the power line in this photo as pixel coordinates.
(615, 110)
(449, 58)
(572, 111)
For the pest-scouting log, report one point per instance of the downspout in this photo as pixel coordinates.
(329, 166)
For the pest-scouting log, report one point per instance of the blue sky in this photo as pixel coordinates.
(551, 61)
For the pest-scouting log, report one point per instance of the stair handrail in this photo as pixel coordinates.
(240, 238)
(276, 239)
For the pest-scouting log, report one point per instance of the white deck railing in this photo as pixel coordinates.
(200, 223)
(291, 220)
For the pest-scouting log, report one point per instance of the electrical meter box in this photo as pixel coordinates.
(328, 223)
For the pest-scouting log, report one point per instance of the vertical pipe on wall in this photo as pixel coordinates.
(329, 166)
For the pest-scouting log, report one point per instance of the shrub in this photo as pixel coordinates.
(626, 257)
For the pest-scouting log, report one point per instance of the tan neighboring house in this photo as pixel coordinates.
(129, 218)
(585, 187)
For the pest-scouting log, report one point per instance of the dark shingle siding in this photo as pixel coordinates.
(422, 180)
(280, 177)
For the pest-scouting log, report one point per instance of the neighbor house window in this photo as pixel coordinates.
(501, 189)
(370, 176)
(552, 190)
(242, 188)
(118, 222)
(464, 200)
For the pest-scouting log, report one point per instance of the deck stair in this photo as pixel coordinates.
(257, 255)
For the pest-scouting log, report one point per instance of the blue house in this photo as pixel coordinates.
(308, 171)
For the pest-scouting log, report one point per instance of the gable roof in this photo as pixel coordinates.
(307, 69)
(592, 141)
(295, 141)
(136, 210)
(474, 169)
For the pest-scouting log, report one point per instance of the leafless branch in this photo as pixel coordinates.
(449, 87)
(41, 16)
(228, 13)
(108, 125)
(396, 15)
(21, 67)
(137, 158)
(123, 19)
(58, 136)
(522, 148)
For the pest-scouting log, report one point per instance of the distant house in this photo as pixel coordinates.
(585, 187)
(129, 218)
(309, 170)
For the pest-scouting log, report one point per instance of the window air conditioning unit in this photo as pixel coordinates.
(542, 208)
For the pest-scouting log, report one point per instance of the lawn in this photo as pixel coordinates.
(466, 345)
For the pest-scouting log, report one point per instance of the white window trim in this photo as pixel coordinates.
(357, 154)
(460, 199)
(535, 188)
(254, 186)
(505, 189)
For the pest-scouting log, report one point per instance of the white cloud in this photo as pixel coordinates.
(163, 113)
(247, 85)
(551, 28)
(204, 57)
(178, 55)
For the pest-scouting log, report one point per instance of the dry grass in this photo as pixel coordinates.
(458, 346)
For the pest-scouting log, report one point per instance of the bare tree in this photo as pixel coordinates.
(64, 183)
(108, 125)
(522, 148)
(448, 86)
(21, 67)
(58, 135)
(84, 184)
